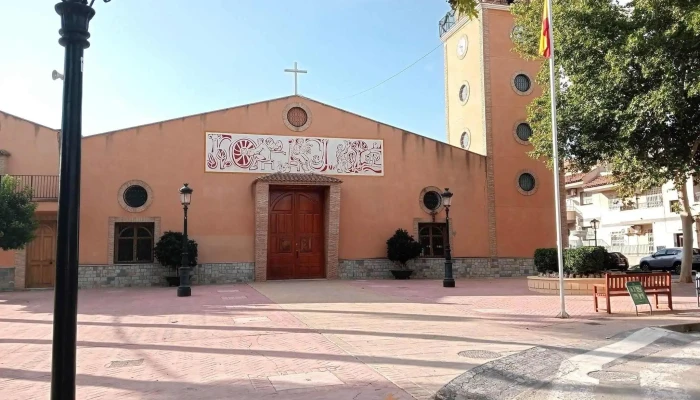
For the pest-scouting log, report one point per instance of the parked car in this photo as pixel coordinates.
(617, 261)
(668, 260)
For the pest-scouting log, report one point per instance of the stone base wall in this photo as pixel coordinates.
(144, 275)
(121, 275)
(434, 268)
(207, 274)
(7, 279)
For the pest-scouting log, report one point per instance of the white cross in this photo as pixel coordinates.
(295, 71)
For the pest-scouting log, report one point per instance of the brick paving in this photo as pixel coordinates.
(381, 339)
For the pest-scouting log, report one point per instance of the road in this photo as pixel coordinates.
(650, 363)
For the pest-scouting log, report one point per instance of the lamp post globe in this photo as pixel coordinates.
(184, 290)
(449, 280)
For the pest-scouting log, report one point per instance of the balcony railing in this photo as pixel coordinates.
(43, 187)
(447, 22)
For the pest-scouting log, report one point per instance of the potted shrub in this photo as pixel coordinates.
(168, 252)
(400, 249)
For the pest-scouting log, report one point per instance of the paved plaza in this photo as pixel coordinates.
(300, 339)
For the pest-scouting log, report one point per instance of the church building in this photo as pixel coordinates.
(292, 188)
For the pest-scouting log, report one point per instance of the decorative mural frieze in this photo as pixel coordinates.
(232, 152)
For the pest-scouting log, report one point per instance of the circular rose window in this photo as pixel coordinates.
(135, 196)
(297, 116)
(432, 200)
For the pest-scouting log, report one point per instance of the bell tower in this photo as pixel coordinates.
(488, 87)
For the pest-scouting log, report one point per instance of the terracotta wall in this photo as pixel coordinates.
(167, 154)
(523, 223)
(33, 151)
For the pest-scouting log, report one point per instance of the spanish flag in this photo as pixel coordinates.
(545, 43)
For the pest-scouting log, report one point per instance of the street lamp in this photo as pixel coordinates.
(594, 225)
(75, 20)
(184, 289)
(449, 280)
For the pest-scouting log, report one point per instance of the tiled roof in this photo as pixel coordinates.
(288, 177)
(600, 181)
(4, 152)
(574, 178)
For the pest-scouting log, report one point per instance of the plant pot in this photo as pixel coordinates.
(402, 273)
(173, 280)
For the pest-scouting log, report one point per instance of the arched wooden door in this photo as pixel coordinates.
(41, 257)
(295, 245)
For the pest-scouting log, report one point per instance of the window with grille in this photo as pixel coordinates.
(432, 237)
(651, 198)
(617, 239)
(133, 242)
(586, 198)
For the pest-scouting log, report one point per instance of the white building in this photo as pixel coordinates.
(636, 227)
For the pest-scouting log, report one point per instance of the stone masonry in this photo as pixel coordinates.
(7, 279)
(434, 268)
(122, 275)
(225, 273)
(139, 275)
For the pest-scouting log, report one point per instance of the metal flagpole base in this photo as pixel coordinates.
(563, 315)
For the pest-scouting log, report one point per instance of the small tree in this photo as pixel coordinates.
(17, 219)
(402, 247)
(168, 250)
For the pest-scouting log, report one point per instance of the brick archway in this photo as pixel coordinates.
(331, 222)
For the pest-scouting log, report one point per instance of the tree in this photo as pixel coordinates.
(464, 7)
(17, 219)
(628, 91)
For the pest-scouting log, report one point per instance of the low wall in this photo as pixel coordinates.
(572, 286)
(7, 278)
(144, 275)
(434, 268)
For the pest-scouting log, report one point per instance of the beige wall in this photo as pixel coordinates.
(457, 71)
(221, 218)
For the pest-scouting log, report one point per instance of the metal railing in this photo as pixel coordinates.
(43, 187)
(633, 249)
(447, 22)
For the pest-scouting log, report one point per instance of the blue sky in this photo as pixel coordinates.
(159, 59)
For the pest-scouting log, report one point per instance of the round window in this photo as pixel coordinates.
(135, 196)
(432, 200)
(464, 93)
(465, 140)
(526, 182)
(523, 132)
(522, 83)
(297, 116)
(517, 33)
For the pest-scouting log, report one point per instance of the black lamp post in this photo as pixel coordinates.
(75, 19)
(449, 281)
(184, 289)
(594, 225)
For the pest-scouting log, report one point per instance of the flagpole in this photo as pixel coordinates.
(555, 156)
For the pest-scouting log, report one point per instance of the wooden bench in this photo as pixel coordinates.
(615, 285)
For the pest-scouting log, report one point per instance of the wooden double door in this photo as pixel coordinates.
(41, 257)
(296, 235)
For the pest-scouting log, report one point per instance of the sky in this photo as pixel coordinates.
(152, 60)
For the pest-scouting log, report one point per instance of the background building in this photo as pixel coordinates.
(635, 227)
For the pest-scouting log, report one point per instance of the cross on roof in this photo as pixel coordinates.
(296, 72)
